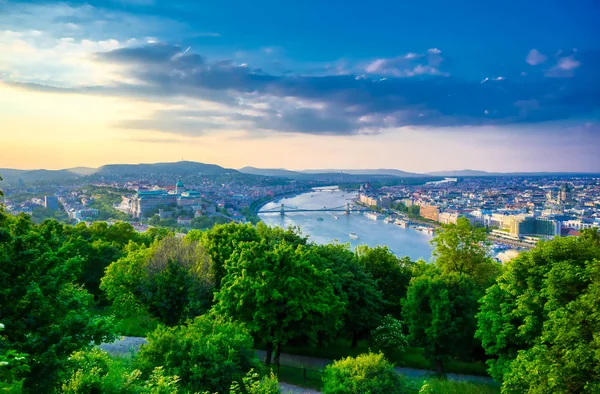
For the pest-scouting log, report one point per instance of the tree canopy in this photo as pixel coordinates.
(45, 313)
(280, 292)
(440, 314)
(536, 309)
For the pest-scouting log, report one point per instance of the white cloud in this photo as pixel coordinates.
(534, 57)
(564, 68)
(568, 63)
(434, 50)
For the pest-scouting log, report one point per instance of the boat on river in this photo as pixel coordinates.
(336, 217)
(353, 235)
(320, 219)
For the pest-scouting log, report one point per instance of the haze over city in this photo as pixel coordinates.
(420, 86)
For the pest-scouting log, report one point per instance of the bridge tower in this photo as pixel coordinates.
(347, 208)
(282, 211)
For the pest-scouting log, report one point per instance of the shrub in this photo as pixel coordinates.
(366, 374)
(207, 354)
(440, 386)
(95, 371)
(389, 338)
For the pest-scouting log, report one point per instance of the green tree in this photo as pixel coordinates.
(206, 354)
(360, 291)
(280, 292)
(171, 279)
(46, 314)
(368, 373)
(391, 274)
(13, 368)
(388, 337)
(440, 314)
(534, 312)
(566, 357)
(464, 249)
(275, 234)
(220, 242)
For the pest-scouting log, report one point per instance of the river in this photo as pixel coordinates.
(402, 241)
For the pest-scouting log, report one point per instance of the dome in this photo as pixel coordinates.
(179, 184)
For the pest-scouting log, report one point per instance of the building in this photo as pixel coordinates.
(448, 217)
(430, 212)
(147, 200)
(565, 195)
(522, 225)
(179, 188)
(370, 201)
(51, 202)
(385, 202)
(189, 198)
(184, 221)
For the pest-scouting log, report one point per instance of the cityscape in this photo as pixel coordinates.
(313, 197)
(517, 211)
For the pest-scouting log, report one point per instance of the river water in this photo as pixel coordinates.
(402, 241)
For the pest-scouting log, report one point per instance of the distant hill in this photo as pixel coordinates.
(271, 172)
(457, 173)
(82, 170)
(12, 176)
(380, 171)
(179, 167)
(466, 173)
(326, 175)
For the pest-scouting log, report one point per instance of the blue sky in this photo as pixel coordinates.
(418, 86)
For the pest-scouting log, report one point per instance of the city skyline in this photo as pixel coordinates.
(415, 87)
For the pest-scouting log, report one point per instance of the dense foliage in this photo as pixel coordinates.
(218, 293)
(368, 373)
(206, 354)
(440, 313)
(542, 315)
(171, 279)
(46, 315)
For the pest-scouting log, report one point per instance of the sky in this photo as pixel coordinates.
(418, 86)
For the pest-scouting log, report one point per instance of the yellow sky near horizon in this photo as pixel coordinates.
(58, 130)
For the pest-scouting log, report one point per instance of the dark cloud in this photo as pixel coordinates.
(350, 104)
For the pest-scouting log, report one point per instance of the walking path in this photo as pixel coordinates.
(316, 363)
(128, 345)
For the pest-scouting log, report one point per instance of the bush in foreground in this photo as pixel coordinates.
(440, 386)
(368, 373)
(206, 354)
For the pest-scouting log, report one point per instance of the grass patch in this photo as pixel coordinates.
(132, 324)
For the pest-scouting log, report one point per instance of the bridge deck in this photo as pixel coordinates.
(313, 210)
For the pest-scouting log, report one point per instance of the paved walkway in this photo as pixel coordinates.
(127, 345)
(287, 388)
(316, 363)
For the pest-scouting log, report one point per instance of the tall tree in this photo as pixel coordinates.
(220, 242)
(171, 279)
(357, 287)
(280, 292)
(45, 314)
(535, 293)
(440, 314)
(566, 357)
(464, 249)
(391, 274)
